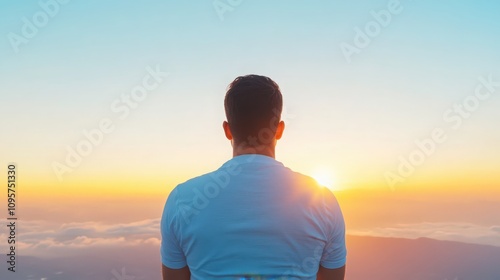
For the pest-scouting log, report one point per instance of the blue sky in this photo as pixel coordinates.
(395, 90)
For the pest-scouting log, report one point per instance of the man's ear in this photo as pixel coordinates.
(227, 130)
(279, 130)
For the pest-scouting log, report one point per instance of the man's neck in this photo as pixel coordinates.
(259, 150)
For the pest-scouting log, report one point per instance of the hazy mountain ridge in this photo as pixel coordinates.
(377, 258)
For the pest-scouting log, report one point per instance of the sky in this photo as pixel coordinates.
(394, 104)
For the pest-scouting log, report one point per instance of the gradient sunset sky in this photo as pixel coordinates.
(350, 120)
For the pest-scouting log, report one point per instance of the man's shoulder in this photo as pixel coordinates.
(184, 192)
(194, 182)
(308, 188)
(304, 182)
(284, 173)
(219, 177)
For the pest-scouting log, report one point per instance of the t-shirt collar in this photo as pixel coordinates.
(252, 159)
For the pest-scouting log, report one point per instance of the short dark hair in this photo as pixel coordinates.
(253, 107)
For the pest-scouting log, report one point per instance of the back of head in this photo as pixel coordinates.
(253, 107)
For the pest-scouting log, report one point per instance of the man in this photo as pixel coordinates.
(253, 218)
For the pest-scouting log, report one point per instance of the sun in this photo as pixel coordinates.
(324, 178)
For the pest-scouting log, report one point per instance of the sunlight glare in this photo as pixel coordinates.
(324, 178)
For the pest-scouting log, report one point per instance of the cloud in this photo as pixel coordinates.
(38, 238)
(495, 229)
(46, 239)
(461, 232)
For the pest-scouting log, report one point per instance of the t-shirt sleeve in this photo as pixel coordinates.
(335, 253)
(171, 252)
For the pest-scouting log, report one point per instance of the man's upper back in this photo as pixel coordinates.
(252, 218)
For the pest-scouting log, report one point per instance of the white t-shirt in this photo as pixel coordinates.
(252, 218)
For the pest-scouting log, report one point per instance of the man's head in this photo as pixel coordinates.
(253, 107)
